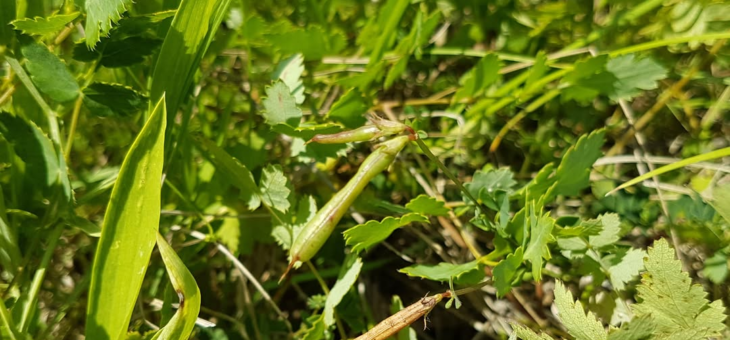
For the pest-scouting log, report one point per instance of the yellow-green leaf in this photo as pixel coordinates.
(183, 282)
(128, 234)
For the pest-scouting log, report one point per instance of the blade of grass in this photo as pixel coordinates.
(685, 162)
(183, 321)
(128, 234)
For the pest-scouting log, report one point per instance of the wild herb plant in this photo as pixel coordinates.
(504, 169)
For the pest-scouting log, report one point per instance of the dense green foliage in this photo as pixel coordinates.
(164, 163)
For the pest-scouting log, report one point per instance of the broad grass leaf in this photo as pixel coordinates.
(470, 272)
(129, 233)
(575, 167)
(183, 322)
(669, 297)
(364, 236)
(108, 100)
(427, 205)
(232, 170)
(44, 26)
(99, 17)
(349, 109)
(348, 277)
(574, 318)
(274, 190)
(189, 36)
(280, 106)
(48, 72)
(504, 272)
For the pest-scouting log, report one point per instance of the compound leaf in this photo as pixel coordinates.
(364, 236)
(574, 318)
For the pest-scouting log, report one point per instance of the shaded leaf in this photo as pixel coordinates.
(540, 235)
(286, 233)
(290, 72)
(634, 75)
(641, 328)
(349, 109)
(479, 78)
(575, 167)
(625, 266)
(312, 42)
(113, 100)
(504, 272)
(48, 72)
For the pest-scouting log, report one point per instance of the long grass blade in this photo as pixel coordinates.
(128, 234)
(685, 162)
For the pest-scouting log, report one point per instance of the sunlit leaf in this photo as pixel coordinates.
(48, 72)
(348, 276)
(290, 72)
(99, 17)
(575, 167)
(280, 106)
(364, 236)
(44, 26)
(129, 233)
(572, 315)
(504, 272)
(274, 191)
(349, 109)
(468, 272)
(427, 205)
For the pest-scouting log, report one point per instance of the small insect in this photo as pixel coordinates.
(313, 236)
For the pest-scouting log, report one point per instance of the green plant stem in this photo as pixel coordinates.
(7, 322)
(446, 171)
(326, 290)
(72, 128)
(666, 42)
(35, 286)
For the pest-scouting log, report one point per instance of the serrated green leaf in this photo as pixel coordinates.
(641, 328)
(232, 170)
(113, 100)
(721, 200)
(575, 168)
(634, 75)
(364, 236)
(118, 53)
(485, 185)
(504, 272)
(574, 318)
(48, 72)
(44, 26)
(669, 297)
(99, 17)
(479, 78)
(280, 106)
(316, 301)
(312, 42)
(347, 278)
(34, 148)
(625, 266)
(427, 205)
(316, 332)
(286, 233)
(716, 267)
(540, 235)
(290, 72)
(274, 191)
(610, 232)
(522, 332)
(446, 271)
(183, 322)
(349, 109)
(129, 233)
